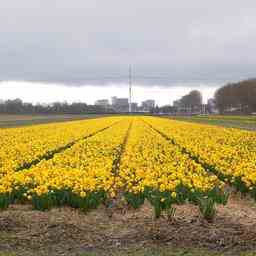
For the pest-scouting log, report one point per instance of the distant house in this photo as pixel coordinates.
(178, 106)
(148, 105)
(103, 103)
(120, 104)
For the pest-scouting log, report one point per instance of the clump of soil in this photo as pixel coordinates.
(65, 231)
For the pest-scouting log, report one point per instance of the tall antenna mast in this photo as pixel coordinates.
(130, 89)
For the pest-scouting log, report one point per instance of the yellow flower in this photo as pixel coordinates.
(174, 194)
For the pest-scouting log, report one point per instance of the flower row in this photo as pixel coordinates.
(22, 147)
(230, 153)
(82, 171)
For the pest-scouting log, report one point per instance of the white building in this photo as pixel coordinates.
(147, 105)
(120, 104)
(102, 103)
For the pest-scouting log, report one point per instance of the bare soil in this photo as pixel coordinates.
(66, 231)
(13, 120)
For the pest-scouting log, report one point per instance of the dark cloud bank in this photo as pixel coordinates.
(93, 42)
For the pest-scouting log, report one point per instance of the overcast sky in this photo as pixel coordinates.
(172, 45)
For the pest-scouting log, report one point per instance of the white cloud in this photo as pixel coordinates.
(47, 93)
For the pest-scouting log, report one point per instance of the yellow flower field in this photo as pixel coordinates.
(84, 163)
(154, 168)
(229, 153)
(22, 146)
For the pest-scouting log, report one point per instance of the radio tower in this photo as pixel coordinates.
(130, 89)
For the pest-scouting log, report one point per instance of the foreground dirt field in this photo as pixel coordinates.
(122, 231)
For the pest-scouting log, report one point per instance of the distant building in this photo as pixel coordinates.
(103, 103)
(177, 104)
(147, 105)
(120, 101)
(120, 104)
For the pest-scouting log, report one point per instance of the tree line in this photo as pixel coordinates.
(237, 97)
(17, 106)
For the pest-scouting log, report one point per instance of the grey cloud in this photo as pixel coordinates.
(93, 42)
